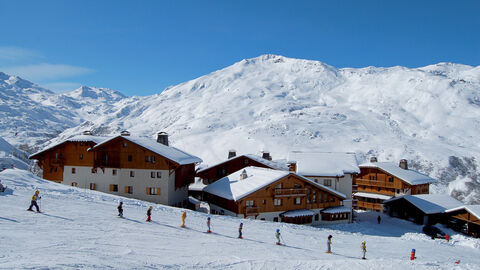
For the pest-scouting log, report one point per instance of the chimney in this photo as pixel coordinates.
(232, 153)
(87, 132)
(403, 164)
(243, 175)
(125, 133)
(292, 166)
(373, 159)
(162, 137)
(266, 155)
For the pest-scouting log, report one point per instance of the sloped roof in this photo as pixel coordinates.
(337, 210)
(298, 213)
(324, 163)
(269, 163)
(410, 176)
(232, 188)
(372, 195)
(79, 138)
(430, 203)
(174, 154)
(473, 209)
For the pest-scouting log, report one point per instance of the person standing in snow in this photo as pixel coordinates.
(364, 250)
(34, 201)
(184, 216)
(208, 225)
(240, 231)
(120, 209)
(329, 244)
(379, 219)
(149, 213)
(277, 235)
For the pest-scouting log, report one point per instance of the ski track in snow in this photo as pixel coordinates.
(80, 229)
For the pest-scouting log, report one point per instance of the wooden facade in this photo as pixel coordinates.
(470, 222)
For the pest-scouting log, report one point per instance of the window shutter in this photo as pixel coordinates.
(125, 189)
(111, 187)
(148, 191)
(158, 191)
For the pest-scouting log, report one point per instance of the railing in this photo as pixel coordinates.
(57, 162)
(374, 183)
(369, 205)
(107, 163)
(290, 192)
(251, 210)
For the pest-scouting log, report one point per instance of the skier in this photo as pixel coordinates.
(329, 244)
(34, 201)
(364, 250)
(240, 231)
(184, 216)
(120, 209)
(149, 213)
(379, 219)
(277, 235)
(208, 225)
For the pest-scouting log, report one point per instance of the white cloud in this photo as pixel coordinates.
(61, 86)
(17, 54)
(44, 72)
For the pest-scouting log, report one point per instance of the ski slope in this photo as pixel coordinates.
(80, 229)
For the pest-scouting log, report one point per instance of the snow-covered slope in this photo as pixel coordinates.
(11, 156)
(80, 229)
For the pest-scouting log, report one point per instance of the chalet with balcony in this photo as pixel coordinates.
(274, 195)
(465, 218)
(380, 181)
(235, 163)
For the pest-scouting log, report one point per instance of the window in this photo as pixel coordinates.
(132, 173)
(74, 184)
(93, 186)
(152, 174)
(147, 158)
(153, 191)
(319, 197)
(275, 219)
(249, 203)
(327, 182)
(129, 189)
(390, 179)
(56, 155)
(114, 172)
(316, 180)
(56, 169)
(264, 201)
(94, 170)
(308, 200)
(277, 202)
(73, 170)
(130, 158)
(297, 186)
(316, 217)
(124, 145)
(153, 159)
(297, 201)
(81, 156)
(314, 198)
(159, 174)
(279, 186)
(114, 188)
(332, 199)
(245, 161)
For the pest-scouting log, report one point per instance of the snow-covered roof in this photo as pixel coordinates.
(232, 188)
(473, 209)
(277, 165)
(324, 163)
(79, 138)
(372, 195)
(198, 185)
(410, 176)
(337, 210)
(297, 213)
(430, 203)
(174, 154)
(193, 200)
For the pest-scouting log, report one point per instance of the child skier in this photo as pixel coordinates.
(184, 216)
(364, 250)
(120, 209)
(149, 213)
(208, 225)
(277, 235)
(34, 201)
(329, 244)
(240, 231)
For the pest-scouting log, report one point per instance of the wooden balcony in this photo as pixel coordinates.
(57, 162)
(287, 192)
(375, 183)
(369, 205)
(107, 163)
(251, 210)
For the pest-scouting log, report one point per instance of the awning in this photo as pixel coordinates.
(297, 213)
(372, 195)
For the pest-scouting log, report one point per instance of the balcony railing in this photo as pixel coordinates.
(284, 192)
(56, 162)
(369, 205)
(251, 210)
(374, 183)
(107, 163)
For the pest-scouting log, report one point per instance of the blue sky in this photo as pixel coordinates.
(142, 47)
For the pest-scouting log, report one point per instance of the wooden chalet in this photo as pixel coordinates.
(274, 195)
(235, 163)
(466, 217)
(424, 209)
(380, 181)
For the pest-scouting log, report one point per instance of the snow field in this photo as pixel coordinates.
(80, 229)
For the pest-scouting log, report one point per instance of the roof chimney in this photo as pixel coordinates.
(125, 133)
(266, 155)
(162, 137)
(87, 132)
(232, 153)
(373, 159)
(403, 164)
(243, 175)
(292, 166)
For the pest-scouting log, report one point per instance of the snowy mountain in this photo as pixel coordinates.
(428, 115)
(80, 229)
(9, 155)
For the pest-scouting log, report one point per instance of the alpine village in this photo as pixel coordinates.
(311, 188)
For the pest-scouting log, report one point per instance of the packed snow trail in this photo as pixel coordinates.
(80, 229)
